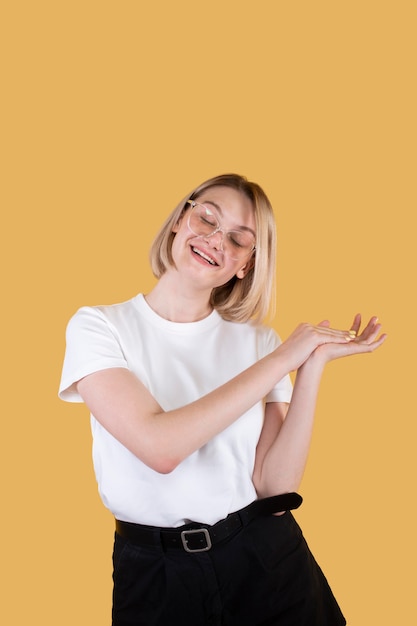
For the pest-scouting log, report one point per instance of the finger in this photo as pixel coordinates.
(329, 335)
(356, 324)
(378, 342)
(371, 330)
(372, 334)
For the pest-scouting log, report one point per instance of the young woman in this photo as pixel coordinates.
(199, 442)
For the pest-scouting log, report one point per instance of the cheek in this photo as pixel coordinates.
(234, 269)
(182, 226)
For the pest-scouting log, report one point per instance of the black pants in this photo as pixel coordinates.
(265, 575)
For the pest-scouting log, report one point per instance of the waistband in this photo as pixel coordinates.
(195, 537)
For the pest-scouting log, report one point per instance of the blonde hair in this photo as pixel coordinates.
(239, 300)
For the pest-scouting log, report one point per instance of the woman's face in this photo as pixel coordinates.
(211, 258)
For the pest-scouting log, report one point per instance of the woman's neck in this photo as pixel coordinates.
(178, 304)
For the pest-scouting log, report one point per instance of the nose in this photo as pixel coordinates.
(215, 240)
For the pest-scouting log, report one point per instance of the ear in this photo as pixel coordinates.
(177, 225)
(246, 268)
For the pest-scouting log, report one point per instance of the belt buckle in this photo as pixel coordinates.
(202, 531)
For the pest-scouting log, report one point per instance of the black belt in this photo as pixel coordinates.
(196, 537)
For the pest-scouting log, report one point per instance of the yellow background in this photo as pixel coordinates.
(113, 111)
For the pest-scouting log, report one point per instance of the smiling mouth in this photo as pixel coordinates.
(204, 256)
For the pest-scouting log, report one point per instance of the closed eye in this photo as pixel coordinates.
(204, 220)
(235, 242)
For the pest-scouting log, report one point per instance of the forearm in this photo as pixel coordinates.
(284, 463)
(188, 428)
(282, 466)
(163, 439)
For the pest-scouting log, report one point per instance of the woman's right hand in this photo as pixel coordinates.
(304, 340)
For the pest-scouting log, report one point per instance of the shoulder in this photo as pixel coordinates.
(91, 317)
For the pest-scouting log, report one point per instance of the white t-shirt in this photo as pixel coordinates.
(178, 363)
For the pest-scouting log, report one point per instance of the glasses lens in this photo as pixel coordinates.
(202, 221)
(240, 243)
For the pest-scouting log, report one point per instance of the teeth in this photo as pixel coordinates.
(204, 256)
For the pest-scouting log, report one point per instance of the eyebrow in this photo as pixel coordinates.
(218, 208)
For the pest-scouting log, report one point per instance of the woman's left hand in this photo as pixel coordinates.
(367, 340)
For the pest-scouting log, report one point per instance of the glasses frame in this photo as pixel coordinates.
(219, 229)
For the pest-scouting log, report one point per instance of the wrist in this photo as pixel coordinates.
(316, 361)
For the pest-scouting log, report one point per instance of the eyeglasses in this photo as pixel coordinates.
(203, 222)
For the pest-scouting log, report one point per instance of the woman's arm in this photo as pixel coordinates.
(162, 439)
(280, 461)
(281, 457)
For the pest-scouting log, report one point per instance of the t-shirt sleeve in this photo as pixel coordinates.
(282, 391)
(91, 345)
